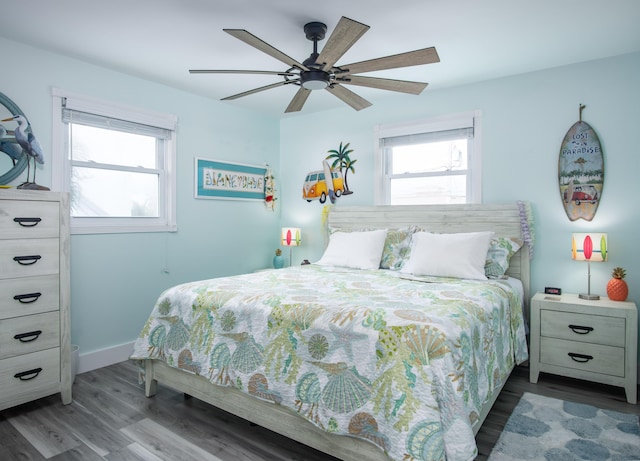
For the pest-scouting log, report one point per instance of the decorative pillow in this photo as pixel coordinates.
(461, 255)
(397, 247)
(359, 250)
(501, 249)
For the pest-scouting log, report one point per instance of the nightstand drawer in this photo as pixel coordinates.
(573, 326)
(27, 258)
(30, 333)
(29, 295)
(29, 376)
(596, 358)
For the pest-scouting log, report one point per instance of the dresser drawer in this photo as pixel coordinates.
(29, 295)
(596, 329)
(30, 333)
(29, 219)
(29, 375)
(27, 258)
(596, 358)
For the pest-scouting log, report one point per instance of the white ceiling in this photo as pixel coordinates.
(476, 40)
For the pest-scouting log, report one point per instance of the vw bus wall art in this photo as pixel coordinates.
(322, 184)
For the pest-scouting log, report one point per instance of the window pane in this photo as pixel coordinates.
(100, 145)
(106, 193)
(430, 157)
(431, 190)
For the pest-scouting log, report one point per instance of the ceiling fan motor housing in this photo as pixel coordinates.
(314, 79)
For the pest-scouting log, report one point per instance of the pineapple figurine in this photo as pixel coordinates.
(278, 260)
(617, 289)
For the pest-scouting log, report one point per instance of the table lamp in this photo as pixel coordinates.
(291, 238)
(589, 247)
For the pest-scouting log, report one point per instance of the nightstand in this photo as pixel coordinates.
(592, 340)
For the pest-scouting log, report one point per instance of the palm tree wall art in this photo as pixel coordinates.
(343, 162)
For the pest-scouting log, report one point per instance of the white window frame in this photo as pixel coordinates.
(61, 163)
(382, 180)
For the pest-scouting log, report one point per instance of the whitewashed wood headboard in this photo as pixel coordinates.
(503, 219)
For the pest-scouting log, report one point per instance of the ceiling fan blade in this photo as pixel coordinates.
(298, 100)
(346, 33)
(408, 59)
(402, 86)
(223, 71)
(255, 90)
(348, 96)
(255, 42)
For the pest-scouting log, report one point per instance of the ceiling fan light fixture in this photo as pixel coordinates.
(314, 79)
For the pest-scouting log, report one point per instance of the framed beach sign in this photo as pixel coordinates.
(217, 179)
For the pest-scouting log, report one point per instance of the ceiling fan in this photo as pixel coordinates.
(319, 71)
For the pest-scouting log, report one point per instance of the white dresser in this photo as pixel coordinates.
(35, 333)
(592, 340)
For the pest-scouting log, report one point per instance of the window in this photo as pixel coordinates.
(117, 163)
(432, 162)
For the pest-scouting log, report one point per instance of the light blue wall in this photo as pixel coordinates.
(524, 121)
(115, 279)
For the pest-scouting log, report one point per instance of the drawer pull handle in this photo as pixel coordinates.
(27, 260)
(27, 222)
(28, 337)
(580, 358)
(578, 329)
(27, 298)
(27, 375)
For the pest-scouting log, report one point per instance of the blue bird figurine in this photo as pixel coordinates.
(9, 147)
(31, 146)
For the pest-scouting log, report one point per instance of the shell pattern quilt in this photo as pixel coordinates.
(404, 364)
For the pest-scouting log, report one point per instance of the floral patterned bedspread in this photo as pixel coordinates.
(402, 363)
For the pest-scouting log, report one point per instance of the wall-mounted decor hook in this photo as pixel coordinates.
(582, 106)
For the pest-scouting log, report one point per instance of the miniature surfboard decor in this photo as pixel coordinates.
(328, 178)
(581, 171)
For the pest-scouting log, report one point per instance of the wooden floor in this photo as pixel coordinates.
(111, 419)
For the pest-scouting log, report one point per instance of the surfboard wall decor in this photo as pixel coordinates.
(581, 171)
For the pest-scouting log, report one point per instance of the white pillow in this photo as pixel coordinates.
(460, 255)
(358, 250)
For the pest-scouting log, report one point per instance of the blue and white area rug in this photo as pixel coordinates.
(546, 429)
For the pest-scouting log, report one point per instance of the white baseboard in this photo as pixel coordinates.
(104, 357)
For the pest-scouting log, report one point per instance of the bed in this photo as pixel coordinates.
(390, 363)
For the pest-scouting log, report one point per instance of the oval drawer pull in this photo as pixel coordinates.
(27, 375)
(27, 260)
(28, 337)
(580, 358)
(27, 298)
(27, 222)
(578, 329)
